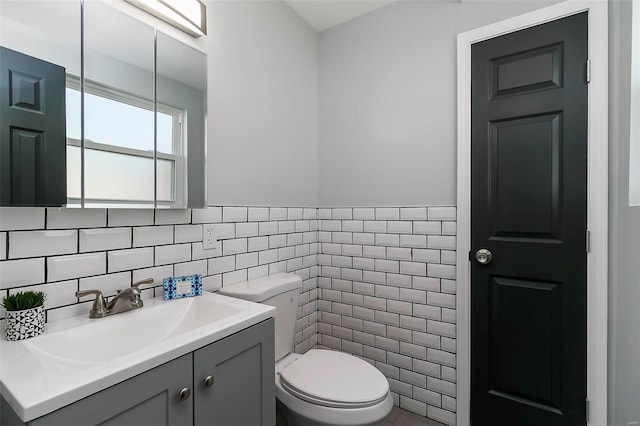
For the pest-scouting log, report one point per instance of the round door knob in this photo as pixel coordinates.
(184, 394)
(484, 256)
(208, 381)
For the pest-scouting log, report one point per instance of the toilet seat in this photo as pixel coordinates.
(334, 379)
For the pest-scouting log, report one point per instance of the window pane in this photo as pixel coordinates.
(134, 127)
(165, 133)
(108, 174)
(115, 176)
(165, 180)
(73, 171)
(73, 113)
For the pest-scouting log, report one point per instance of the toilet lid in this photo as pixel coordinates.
(334, 379)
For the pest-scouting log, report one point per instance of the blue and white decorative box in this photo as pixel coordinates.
(180, 287)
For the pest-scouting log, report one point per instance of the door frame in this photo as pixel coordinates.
(597, 199)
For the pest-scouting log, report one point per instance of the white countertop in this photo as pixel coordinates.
(36, 382)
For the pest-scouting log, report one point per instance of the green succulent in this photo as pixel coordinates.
(23, 300)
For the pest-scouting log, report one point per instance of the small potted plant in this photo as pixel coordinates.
(25, 314)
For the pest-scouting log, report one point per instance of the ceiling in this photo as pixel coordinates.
(323, 14)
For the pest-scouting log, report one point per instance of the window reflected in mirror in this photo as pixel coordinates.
(125, 152)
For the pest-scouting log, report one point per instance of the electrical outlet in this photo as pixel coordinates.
(209, 238)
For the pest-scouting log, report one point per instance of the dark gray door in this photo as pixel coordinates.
(529, 149)
(32, 131)
(241, 389)
(149, 399)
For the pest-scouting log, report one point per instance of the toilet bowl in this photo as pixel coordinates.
(320, 387)
(325, 388)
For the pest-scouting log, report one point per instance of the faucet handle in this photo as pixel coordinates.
(99, 308)
(137, 284)
(135, 290)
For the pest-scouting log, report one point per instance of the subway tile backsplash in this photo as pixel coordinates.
(75, 266)
(60, 218)
(18, 218)
(378, 283)
(42, 243)
(21, 272)
(104, 239)
(61, 251)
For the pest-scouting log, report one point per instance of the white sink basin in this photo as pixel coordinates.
(107, 338)
(79, 356)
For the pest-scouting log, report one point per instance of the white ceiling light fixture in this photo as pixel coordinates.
(189, 16)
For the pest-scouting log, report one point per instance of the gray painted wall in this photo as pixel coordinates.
(624, 231)
(388, 102)
(262, 106)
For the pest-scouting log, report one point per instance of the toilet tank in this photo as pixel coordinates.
(281, 291)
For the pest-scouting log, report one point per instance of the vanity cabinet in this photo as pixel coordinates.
(240, 389)
(242, 367)
(149, 398)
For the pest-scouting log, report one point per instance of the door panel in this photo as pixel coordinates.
(27, 150)
(524, 165)
(32, 133)
(526, 71)
(523, 318)
(529, 148)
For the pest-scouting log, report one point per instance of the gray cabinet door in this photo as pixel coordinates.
(150, 398)
(243, 370)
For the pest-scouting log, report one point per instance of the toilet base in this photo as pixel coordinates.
(287, 417)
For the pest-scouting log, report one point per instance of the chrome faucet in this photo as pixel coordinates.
(124, 301)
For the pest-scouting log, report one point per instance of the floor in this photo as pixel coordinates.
(400, 417)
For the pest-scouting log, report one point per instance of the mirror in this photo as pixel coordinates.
(40, 51)
(181, 98)
(143, 123)
(118, 109)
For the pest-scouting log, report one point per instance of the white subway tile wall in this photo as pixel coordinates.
(61, 251)
(61, 218)
(3, 245)
(378, 283)
(386, 293)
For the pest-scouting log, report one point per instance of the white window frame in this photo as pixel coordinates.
(634, 131)
(178, 189)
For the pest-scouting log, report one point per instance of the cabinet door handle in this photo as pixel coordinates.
(184, 394)
(208, 381)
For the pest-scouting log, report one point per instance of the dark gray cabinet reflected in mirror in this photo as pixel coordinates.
(181, 114)
(142, 89)
(40, 51)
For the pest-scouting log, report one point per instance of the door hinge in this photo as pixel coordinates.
(587, 409)
(588, 244)
(588, 70)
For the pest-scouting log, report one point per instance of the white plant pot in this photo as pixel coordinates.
(26, 323)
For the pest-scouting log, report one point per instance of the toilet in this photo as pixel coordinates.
(321, 387)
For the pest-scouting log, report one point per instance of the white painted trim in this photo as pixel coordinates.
(597, 215)
(634, 147)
